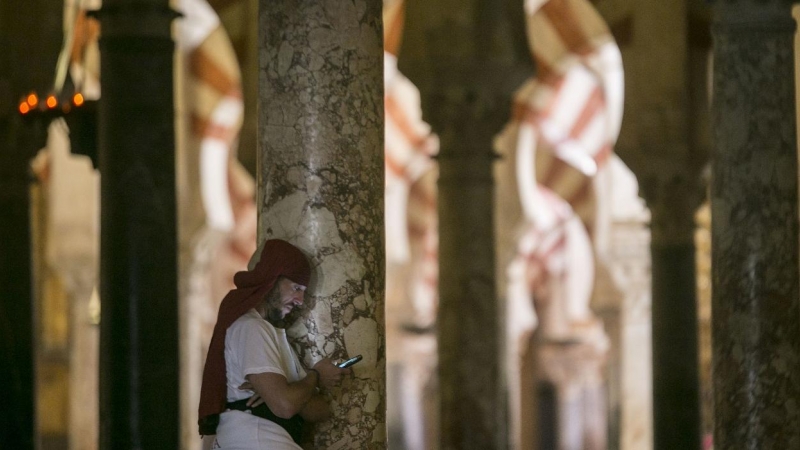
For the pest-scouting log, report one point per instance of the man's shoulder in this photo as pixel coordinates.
(251, 320)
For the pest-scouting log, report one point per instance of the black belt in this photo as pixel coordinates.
(292, 425)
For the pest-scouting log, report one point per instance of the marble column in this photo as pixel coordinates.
(30, 36)
(138, 243)
(754, 226)
(676, 382)
(320, 186)
(16, 290)
(631, 270)
(467, 58)
(622, 299)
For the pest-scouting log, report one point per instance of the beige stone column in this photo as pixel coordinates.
(629, 365)
(754, 228)
(320, 186)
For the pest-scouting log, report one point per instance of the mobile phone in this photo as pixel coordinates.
(349, 362)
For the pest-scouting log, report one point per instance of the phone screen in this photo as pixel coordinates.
(349, 362)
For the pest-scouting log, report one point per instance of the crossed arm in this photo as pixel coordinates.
(286, 399)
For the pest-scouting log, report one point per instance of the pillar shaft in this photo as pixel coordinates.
(16, 293)
(138, 248)
(30, 34)
(472, 411)
(467, 58)
(320, 186)
(755, 311)
(673, 195)
(676, 382)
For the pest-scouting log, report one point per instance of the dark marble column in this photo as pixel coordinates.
(676, 382)
(467, 58)
(138, 259)
(16, 292)
(30, 37)
(673, 190)
(320, 186)
(754, 224)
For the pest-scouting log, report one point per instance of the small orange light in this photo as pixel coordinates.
(33, 100)
(51, 101)
(77, 99)
(24, 108)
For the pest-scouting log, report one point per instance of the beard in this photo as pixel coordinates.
(274, 307)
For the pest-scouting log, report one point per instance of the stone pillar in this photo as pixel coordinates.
(138, 249)
(676, 382)
(754, 226)
(574, 370)
(30, 34)
(320, 186)
(631, 270)
(16, 291)
(467, 58)
(621, 298)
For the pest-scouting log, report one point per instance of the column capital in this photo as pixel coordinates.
(466, 69)
(673, 193)
(474, 104)
(752, 15)
(142, 18)
(753, 3)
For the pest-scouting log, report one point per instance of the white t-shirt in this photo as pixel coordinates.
(253, 345)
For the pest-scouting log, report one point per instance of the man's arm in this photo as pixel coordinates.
(284, 399)
(317, 409)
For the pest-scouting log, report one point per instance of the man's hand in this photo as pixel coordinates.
(329, 374)
(286, 399)
(256, 399)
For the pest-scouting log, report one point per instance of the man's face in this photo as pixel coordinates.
(284, 297)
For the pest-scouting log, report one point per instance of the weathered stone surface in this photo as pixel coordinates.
(320, 169)
(755, 295)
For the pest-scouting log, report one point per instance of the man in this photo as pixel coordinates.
(255, 393)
